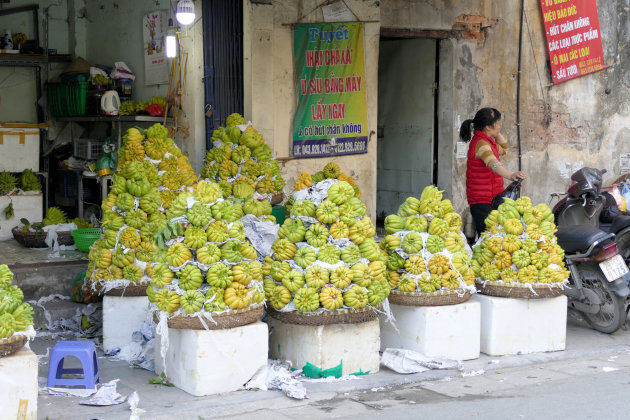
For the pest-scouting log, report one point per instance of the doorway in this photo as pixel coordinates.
(407, 140)
(223, 61)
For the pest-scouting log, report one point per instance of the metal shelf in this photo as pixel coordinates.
(115, 118)
(24, 60)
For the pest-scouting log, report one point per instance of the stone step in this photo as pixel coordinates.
(57, 309)
(42, 272)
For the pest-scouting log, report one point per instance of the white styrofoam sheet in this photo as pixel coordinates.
(449, 331)
(19, 149)
(522, 326)
(203, 362)
(24, 206)
(325, 346)
(18, 385)
(122, 315)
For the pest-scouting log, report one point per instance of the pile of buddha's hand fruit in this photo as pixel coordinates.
(15, 315)
(331, 171)
(325, 255)
(204, 262)
(244, 167)
(151, 173)
(519, 245)
(426, 247)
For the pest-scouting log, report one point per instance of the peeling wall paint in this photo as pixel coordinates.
(582, 122)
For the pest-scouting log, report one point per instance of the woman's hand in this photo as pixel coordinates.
(515, 176)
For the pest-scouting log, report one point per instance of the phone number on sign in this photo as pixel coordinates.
(323, 149)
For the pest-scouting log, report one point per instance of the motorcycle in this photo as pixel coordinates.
(599, 271)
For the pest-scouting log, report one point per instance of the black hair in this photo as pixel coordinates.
(483, 118)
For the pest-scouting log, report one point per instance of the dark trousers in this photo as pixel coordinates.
(479, 213)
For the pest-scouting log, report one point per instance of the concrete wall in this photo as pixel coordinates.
(270, 97)
(588, 118)
(115, 34)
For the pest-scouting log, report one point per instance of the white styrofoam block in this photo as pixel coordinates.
(207, 362)
(122, 315)
(24, 206)
(325, 346)
(521, 326)
(18, 385)
(450, 331)
(19, 149)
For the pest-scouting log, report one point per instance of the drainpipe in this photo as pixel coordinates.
(518, 87)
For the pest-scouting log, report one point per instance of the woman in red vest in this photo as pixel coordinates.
(484, 170)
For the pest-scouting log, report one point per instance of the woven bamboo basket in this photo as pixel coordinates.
(338, 316)
(133, 289)
(37, 239)
(440, 298)
(517, 290)
(625, 177)
(12, 344)
(231, 319)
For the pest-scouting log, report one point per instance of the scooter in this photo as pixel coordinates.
(599, 275)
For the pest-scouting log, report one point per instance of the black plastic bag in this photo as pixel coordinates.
(512, 191)
(610, 210)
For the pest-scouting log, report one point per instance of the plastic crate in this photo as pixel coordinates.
(67, 99)
(88, 149)
(68, 187)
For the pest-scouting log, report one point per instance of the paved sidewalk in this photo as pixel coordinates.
(162, 402)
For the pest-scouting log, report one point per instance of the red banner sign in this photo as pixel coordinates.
(573, 38)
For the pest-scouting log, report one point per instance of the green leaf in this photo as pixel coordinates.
(8, 211)
(155, 381)
(25, 221)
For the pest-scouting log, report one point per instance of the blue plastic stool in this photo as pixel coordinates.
(85, 351)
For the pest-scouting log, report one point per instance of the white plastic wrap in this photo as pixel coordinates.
(260, 234)
(409, 361)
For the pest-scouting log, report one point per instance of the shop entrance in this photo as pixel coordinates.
(406, 120)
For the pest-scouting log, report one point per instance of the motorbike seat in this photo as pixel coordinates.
(619, 223)
(576, 239)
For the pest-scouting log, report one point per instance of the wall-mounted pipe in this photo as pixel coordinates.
(518, 87)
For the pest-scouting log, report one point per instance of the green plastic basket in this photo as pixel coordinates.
(84, 238)
(67, 99)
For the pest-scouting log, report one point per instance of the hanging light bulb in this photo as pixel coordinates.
(171, 40)
(185, 13)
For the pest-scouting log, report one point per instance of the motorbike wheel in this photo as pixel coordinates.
(612, 314)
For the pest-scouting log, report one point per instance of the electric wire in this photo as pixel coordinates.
(531, 43)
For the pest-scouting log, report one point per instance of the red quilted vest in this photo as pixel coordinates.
(481, 183)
